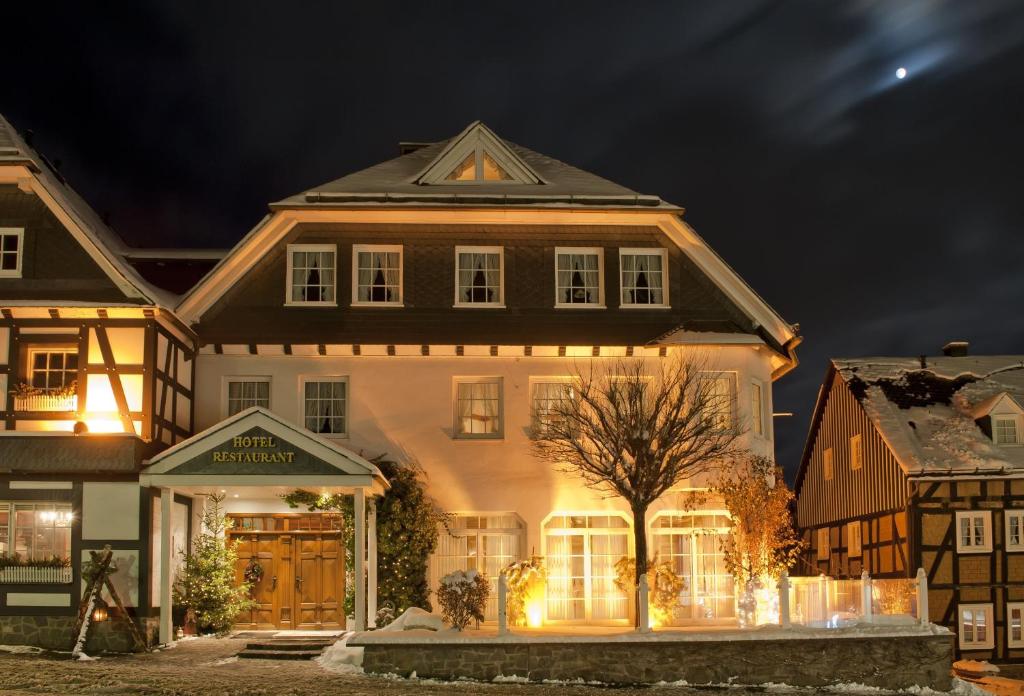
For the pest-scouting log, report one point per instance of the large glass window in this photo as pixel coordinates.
(311, 274)
(692, 544)
(247, 392)
(581, 553)
(478, 276)
(10, 252)
(485, 542)
(643, 277)
(53, 368)
(36, 530)
(478, 407)
(720, 400)
(378, 274)
(548, 399)
(578, 277)
(325, 402)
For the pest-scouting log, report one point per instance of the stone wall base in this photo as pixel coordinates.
(895, 662)
(55, 633)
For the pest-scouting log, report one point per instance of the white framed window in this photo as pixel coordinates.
(241, 393)
(377, 275)
(476, 166)
(479, 276)
(975, 626)
(35, 530)
(1006, 430)
(691, 542)
(479, 411)
(827, 465)
(1015, 624)
(721, 399)
(856, 452)
(757, 408)
(1014, 530)
(325, 405)
(579, 277)
(52, 368)
(12, 242)
(974, 531)
(824, 547)
(643, 277)
(853, 545)
(547, 396)
(312, 271)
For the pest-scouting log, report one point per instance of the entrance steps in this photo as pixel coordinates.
(285, 648)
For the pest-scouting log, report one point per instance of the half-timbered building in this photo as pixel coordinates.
(916, 462)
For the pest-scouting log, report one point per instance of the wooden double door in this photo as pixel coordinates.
(303, 583)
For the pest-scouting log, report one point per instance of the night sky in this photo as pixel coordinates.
(883, 215)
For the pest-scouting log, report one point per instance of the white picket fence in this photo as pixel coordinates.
(32, 575)
(826, 602)
(46, 402)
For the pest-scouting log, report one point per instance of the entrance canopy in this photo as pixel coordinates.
(256, 448)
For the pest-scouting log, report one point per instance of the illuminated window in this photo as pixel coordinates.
(246, 392)
(11, 243)
(478, 165)
(1014, 530)
(827, 468)
(824, 548)
(643, 276)
(856, 452)
(311, 274)
(581, 552)
(479, 275)
(548, 399)
(973, 531)
(756, 408)
(720, 400)
(35, 530)
(975, 624)
(1005, 431)
(1015, 624)
(692, 544)
(478, 407)
(853, 545)
(579, 277)
(376, 275)
(325, 404)
(52, 368)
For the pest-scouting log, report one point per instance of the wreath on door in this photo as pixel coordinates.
(253, 571)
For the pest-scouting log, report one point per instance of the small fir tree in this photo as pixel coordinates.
(207, 583)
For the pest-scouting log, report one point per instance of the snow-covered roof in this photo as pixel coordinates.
(927, 409)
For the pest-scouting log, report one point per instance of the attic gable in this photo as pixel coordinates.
(1001, 403)
(477, 155)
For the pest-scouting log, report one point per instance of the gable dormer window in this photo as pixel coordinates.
(478, 166)
(475, 156)
(11, 243)
(311, 274)
(1006, 430)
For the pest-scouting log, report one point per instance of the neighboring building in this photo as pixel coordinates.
(918, 462)
(426, 308)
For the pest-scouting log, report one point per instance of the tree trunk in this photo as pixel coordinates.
(640, 544)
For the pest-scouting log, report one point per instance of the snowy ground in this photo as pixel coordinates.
(208, 666)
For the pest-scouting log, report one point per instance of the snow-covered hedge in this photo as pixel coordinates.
(463, 597)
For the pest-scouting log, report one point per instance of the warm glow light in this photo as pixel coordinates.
(534, 612)
(103, 425)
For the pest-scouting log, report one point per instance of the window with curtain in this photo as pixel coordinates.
(976, 626)
(720, 404)
(581, 552)
(36, 530)
(378, 274)
(478, 275)
(548, 398)
(325, 402)
(691, 543)
(643, 277)
(311, 272)
(246, 393)
(578, 278)
(478, 408)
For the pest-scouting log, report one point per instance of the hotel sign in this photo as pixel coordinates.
(254, 449)
(256, 452)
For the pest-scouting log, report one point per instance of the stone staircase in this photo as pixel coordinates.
(285, 648)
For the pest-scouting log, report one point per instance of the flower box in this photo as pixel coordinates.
(13, 575)
(46, 402)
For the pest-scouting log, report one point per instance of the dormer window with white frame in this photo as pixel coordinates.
(579, 277)
(477, 156)
(1002, 417)
(479, 276)
(1006, 429)
(377, 275)
(643, 277)
(312, 276)
(12, 242)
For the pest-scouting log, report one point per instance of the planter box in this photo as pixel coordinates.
(46, 402)
(28, 575)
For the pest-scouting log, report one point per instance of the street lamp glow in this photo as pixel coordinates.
(901, 73)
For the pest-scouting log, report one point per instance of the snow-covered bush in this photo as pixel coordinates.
(526, 581)
(463, 597)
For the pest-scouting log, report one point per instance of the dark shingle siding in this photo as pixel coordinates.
(68, 454)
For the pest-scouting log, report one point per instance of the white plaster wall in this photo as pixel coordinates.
(110, 511)
(38, 599)
(402, 407)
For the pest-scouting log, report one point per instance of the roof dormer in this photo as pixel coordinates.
(1002, 419)
(477, 156)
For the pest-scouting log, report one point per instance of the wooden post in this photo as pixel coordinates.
(643, 611)
(823, 597)
(360, 553)
(866, 596)
(922, 597)
(502, 604)
(784, 618)
(166, 557)
(371, 566)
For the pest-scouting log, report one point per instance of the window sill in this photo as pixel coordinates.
(10, 274)
(973, 551)
(645, 306)
(478, 305)
(1015, 549)
(382, 305)
(310, 304)
(580, 306)
(478, 438)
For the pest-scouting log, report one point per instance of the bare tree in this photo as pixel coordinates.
(636, 428)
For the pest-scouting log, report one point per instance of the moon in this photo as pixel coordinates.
(901, 73)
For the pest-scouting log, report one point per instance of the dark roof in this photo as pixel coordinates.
(394, 182)
(66, 453)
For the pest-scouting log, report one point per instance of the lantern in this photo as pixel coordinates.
(99, 612)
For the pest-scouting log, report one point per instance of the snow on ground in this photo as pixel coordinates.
(342, 659)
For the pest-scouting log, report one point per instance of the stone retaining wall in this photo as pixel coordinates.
(894, 662)
(55, 633)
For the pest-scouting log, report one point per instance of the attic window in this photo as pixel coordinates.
(478, 166)
(1005, 430)
(10, 252)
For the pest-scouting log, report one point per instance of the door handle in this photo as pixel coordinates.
(273, 583)
(298, 583)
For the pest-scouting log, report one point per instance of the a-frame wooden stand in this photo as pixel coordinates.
(92, 594)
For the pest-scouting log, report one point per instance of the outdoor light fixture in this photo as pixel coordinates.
(100, 614)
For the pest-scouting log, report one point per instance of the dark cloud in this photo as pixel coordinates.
(882, 215)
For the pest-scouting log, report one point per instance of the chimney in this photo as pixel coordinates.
(405, 147)
(955, 349)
